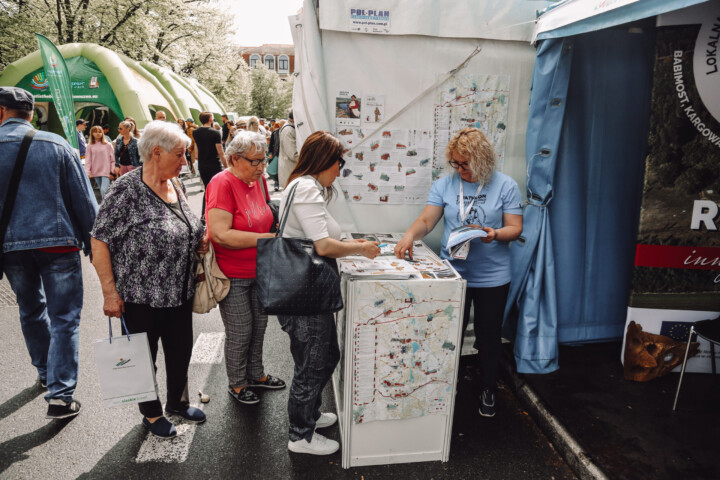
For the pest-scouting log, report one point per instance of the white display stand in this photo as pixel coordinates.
(399, 337)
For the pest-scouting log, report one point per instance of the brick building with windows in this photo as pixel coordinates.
(276, 57)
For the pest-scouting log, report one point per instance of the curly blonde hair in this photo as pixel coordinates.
(472, 144)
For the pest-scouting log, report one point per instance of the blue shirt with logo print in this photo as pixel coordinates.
(487, 264)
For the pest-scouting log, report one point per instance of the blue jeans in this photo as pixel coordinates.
(103, 184)
(49, 291)
(314, 347)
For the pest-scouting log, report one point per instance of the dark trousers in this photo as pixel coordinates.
(172, 326)
(314, 347)
(489, 306)
(207, 172)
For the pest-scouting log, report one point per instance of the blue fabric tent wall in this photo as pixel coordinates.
(586, 139)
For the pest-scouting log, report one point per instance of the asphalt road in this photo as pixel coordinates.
(237, 441)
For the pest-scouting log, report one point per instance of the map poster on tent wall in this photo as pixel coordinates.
(370, 20)
(479, 101)
(676, 278)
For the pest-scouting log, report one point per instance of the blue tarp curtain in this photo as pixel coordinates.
(586, 140)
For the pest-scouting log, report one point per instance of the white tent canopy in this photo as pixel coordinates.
(425, 41)
(492, 20)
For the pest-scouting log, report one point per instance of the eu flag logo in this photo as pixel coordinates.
(678, 331)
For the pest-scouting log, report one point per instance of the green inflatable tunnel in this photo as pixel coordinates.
(107, 87)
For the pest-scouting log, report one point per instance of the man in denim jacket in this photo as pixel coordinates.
(51, 221)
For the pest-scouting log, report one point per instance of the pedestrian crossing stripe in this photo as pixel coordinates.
(208, 349)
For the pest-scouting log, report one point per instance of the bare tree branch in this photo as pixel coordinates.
(174, 40)
(128, 14)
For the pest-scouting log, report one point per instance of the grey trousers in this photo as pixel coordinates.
(314, 347)
(245, 326)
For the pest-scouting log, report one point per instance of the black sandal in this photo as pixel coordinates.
(245, 396)
(270, 382)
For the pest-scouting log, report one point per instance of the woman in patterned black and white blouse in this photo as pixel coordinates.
(143, 245)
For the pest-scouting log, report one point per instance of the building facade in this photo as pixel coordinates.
(276, 57)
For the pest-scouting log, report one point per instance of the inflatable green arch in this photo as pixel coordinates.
(125, 87)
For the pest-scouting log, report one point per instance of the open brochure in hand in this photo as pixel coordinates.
(458, 244)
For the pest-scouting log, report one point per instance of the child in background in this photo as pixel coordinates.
(99, 159)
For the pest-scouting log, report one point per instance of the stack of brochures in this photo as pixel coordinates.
(424, 264)
(458, 244)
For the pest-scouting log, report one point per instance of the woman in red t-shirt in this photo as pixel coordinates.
(237, 215)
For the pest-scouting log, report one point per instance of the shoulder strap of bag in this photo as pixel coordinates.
(179, 188)
(125, 147)
(14, 184)
(288, 204)
(264, 190)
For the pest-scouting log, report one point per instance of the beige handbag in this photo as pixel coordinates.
(211, 284)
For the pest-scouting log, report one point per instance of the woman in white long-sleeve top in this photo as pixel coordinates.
(313, 338)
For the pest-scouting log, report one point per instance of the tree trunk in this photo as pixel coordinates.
(158, 47)
(69, 23)
(82, 8)
(59, 24)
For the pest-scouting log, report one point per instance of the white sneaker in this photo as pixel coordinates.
(326, 419)
(318, 446)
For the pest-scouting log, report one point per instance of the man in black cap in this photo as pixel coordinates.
(81, 125)
(41, 246)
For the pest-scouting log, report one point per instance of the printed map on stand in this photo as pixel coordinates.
(404, 348)
(479, 101)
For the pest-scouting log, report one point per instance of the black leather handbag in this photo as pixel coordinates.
(292, 279)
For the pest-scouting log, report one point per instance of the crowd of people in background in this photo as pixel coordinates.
(103, 168)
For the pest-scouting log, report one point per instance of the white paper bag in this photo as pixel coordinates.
(125, 369)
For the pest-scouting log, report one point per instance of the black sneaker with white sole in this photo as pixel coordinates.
(487, 403)
(60, 409)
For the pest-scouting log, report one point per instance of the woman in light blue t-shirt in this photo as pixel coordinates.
(491, 201)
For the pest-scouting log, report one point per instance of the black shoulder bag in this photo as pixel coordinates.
(12, 191)
(292, 279)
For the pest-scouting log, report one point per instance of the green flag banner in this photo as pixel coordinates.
(58, 79)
